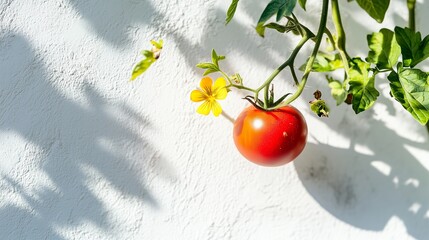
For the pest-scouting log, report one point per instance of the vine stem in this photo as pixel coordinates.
(289, 61)
(308, 67)
(340, 44)
(411, 4)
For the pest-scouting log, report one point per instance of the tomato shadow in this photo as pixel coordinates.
(73, 155)
(369, 177)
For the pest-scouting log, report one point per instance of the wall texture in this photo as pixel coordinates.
(85, 154)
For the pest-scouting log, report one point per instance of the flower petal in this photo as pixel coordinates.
(221, 94)
(219, 89)
(216, 108)
(205, 108)
(206, 85)
(198, 96)
(219, 83)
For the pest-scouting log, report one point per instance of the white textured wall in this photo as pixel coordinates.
(84, 154)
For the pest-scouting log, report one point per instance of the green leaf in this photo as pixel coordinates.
(409, 42)
(325, 63)
(361, 85)
(231, 11)
(375, 8)
(414, 50)
(260, 29)
(216, 58)
(141, 67)
(210, 70)
(277, 7)
(207, 65)
(290, 26)
(210, 67)
(410, 87)
(384, 49)
(302, 3)
(147, 53)
(338, 90)
(281, 99)
(424, 47)
(276, 26)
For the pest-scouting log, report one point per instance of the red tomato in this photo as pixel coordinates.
(270, 138)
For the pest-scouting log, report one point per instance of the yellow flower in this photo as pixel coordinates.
(209, 93)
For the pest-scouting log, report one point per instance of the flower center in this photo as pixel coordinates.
(211, 98)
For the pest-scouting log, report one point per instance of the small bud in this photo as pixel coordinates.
(349, 99)
(317, 94)
(156, 52)
(318, 105)
(236, 78)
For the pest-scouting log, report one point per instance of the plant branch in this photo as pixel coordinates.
(226, 76)
(231, 84)
(241, 87)
(292, 71)
(310, 62)
(288, 62)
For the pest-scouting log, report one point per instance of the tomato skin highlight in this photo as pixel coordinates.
(270, 138)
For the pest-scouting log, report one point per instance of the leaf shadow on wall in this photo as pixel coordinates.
(235, 37)
(76, 149)
(114, 20)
